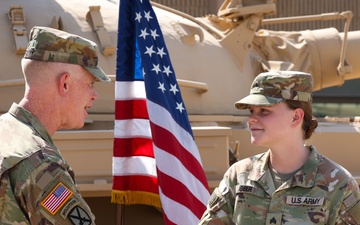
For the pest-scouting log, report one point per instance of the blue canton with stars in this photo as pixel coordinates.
(150, 60)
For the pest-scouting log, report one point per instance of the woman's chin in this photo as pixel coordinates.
(255, 141)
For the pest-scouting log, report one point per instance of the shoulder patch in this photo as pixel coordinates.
(216, 201)
(56, 198)
(68, 206)
(78, 216)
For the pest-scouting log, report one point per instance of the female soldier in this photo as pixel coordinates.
(291, 183)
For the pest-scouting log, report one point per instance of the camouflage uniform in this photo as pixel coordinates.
(37, 186)
(52, 45)
(276, 86)
(322, 192)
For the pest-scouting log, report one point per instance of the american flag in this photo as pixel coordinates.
(156, 160)
(56, 198)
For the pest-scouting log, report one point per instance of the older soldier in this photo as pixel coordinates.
(291, 183)
(37, 185)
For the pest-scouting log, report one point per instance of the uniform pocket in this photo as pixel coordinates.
(251, 205)
(309, 218)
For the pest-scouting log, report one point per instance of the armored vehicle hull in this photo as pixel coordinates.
(215, 59)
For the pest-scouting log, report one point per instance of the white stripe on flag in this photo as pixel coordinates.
(170, 206)
(129, 90)
(134, 165)
(173, 167)
(132, 128)
(166, 121)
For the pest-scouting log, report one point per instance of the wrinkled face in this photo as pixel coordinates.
(81, 96)
(269, 125)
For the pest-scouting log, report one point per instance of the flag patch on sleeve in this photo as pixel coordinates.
(56, 198)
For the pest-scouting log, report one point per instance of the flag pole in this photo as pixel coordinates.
(120, 208)
(148, 99)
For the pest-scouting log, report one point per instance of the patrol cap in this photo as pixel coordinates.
(274, 87)
(48, 44)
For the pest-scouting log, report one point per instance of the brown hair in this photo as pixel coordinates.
(309, 122)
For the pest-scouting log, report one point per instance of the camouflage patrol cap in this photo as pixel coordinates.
(274, 87)
(48, 44)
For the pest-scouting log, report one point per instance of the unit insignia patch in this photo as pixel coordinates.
(78, 216)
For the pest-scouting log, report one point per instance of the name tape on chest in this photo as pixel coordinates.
(245, 189)
(303, 200)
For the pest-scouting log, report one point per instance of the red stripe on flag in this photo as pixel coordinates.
(136, 183)
(134, 147)
(167, 221)
(180, 194)
(169, 143)
(130, 109)
(181, 172)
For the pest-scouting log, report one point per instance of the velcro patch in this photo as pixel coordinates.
(216, 201)
(302, 200)
(56, 198)
(78, 216)
(245, 189)
(274, 219)
(68, 206)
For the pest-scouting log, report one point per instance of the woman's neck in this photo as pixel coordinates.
(289, 159)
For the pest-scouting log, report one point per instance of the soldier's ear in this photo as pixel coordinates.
(298, 116)
(63, 84)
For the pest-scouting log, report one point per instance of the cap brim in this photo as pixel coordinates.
(98, 73)
(257, 100)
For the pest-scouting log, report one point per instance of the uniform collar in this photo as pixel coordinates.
(305, 177)
(26, 117)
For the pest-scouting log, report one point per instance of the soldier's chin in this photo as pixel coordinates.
(255, 142)
(78, 125)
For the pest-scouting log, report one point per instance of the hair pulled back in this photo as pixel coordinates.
(309, 123)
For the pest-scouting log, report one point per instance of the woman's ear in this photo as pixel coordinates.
(63, 83)
(298, 116)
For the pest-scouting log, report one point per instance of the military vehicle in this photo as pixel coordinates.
(215, 58)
